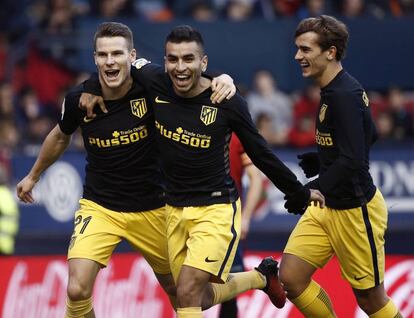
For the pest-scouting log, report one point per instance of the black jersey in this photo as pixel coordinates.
(122, 171)
(344, 133)
(193, 138)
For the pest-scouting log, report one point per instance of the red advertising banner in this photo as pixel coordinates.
(35, 287)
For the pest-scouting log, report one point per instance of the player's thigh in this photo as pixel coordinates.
(147, 233)
(213, 237)
(358, 242)
(96, 233)
(309, 239)
(177, 235)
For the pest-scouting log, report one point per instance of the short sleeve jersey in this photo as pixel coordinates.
(344, 134)
(122, 171)
(193, 136)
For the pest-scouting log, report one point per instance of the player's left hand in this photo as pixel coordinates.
(223, 87)
(88, 102)
(297, 202)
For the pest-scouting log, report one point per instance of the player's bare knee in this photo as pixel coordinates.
(78, 291)
(371, 300)
(286, 276)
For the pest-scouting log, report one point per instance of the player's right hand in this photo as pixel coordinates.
(24, 189)
(309, 163)
(88, 102)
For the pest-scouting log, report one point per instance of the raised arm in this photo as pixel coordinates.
(52, 148)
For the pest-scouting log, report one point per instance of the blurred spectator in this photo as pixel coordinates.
(239, 10)
(264, 126)
(45, 75)
(112, 8)
(401, 7)
(385, 128)
(353, 8)
(59, 16)
(268, 99)
(30, 108)
(9, 135)
(4, 50)
(305, 109)
(285, 8)
(312, 8)
(203, 11)
(402, 119)
(361, 8)
(154, 10)
(7, 110)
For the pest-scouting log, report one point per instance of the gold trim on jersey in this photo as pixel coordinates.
(365, 98)
(208, 115)
(138, 107)
(322, 112)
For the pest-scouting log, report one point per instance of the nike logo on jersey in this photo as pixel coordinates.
(360, 277)
(86, 119)
(160, 101)
(210, 260)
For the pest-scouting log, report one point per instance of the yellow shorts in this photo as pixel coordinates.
(356, 236)
(204, 237)
(98, 231)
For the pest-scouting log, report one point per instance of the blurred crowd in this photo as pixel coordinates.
(33, 83)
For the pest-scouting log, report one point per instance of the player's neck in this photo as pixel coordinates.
(329, 74)
(109, 93)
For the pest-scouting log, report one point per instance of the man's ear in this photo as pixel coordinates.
(204, 63)
(331, 53)
(133, 55)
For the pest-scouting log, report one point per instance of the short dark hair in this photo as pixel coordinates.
(185, 33)
(331, 32)
(111, 29)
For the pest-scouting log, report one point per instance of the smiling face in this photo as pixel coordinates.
(313, 61)
(113, 58)
(184, 63)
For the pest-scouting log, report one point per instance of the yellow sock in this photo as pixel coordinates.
(314, 302)
(79, 309)
(236, 284)
(189, 312)
(388, 311)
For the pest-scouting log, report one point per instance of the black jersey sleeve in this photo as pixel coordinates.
(146, 73)
(92, 85)
(69, 119)
(348, 117)
(258, 150)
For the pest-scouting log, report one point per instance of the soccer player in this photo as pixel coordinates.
(353, 223)
(203, 210)
(123, 196)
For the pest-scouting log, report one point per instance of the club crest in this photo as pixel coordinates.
(322, 112)
(138, 107)
(208, 115)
